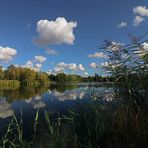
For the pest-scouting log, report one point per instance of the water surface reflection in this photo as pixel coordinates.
(123, 117)
(12, 101)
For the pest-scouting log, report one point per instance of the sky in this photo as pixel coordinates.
(65, 35)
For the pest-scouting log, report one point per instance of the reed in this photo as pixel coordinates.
(6, 84)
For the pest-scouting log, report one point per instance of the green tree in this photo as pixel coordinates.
(61, 77)
(27, 74)
(2, 73)
(42, 78)
(53, 78)
(72, 78)
(10, 73)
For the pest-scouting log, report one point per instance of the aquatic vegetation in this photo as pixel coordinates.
(9, 84)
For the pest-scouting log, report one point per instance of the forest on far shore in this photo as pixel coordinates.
(16, 76)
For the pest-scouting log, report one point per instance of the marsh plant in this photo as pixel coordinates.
(128, 64)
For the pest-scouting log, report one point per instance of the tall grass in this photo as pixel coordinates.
(6, 84)
(14, 136)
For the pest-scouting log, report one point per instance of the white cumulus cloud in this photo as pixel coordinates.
(98, 55)
(141, 10)
(93, 65)
(55, 32)
(38, 65)
(122, 24)
(7, 53)
(145, 46)
(138, 20)
(143, 50)
(40, 59)
(63, 67)
(29, 64)
(81, 67)
(35, 64)
(71, 66)
(51, 51)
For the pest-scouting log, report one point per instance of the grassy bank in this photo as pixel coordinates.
(6, 84)
(15, 84)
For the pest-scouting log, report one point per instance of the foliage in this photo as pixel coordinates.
(25, 76)
(71, 78)
(2, 74)
(129, 66)
(65, 78)
(43, 78)
(12, 73)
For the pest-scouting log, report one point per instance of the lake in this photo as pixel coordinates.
(56, 99)
(121, 119)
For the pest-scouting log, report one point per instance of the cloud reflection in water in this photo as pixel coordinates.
(5, 109)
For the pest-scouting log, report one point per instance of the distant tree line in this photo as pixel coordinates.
(65, 78)
(62, 77)
(30, 77)
(25, 76)
(98, 78)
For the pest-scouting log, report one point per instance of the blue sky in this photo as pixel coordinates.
(92, 21)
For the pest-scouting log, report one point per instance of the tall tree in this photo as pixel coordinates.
(2, 73)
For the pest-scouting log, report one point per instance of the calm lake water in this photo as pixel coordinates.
(56, 99)
(123, 116)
